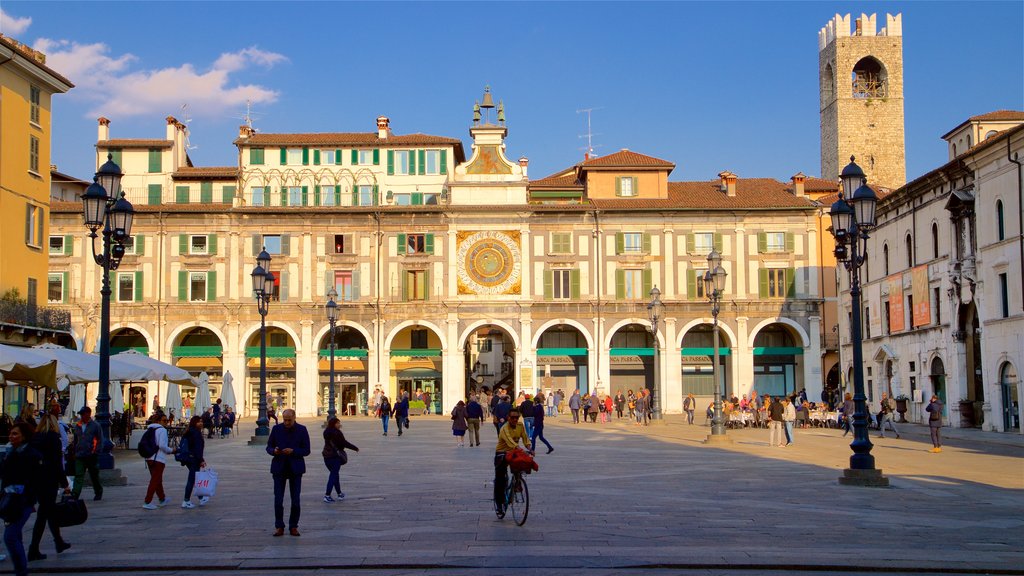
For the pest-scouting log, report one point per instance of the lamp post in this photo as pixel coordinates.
(853, 217)
(655, 310)
(714, 286)
(104, 204)
(262, 290)
(332, 319)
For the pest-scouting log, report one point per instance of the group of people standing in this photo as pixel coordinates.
(638, 406)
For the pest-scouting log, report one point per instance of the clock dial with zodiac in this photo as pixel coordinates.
(489, 262)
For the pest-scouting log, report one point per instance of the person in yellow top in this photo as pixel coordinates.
(508, 439)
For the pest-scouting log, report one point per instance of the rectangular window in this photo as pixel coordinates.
(415, 244)
(327, 157)
(866, 321)
(155, 160)
(344, 285)
(33, 226)
(632, 242)
(561, 243)
(55, 288)
(402, 161)
(57, 245)
(129, 245)
(776, 241)
(634, 284)
(699, 285)
(777, 284)
(256, 156)
(33, 154)
(365, 157)
(198, 244)
(259, 197)
(626, 185)
(433, 161)
(125, 287)
(1004, 293)
(366, 195)
(35, 97)
(294, 157)
(197, 286)
(937, 304)
(344, 244)
(416, 285)
(295, 196)
(418, 339)
(328, 196)
(561, 284)
(272, 243)
(886, 328)
(403, 199)
(275, 293)
(484, 345)
(703, 243)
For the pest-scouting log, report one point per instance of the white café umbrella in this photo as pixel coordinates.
(173, 401)
(202, 394)
(19, 364)
(159, 370)
(76, 401)
(82, 367)
(116, 397)
(227, 393)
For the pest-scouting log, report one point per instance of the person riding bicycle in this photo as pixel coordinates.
(508, 439)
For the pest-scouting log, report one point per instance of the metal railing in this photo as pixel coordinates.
(140, 196)
(20, 313)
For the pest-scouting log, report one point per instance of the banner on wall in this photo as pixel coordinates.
(896, 311)
(922, 305)
(873, 307)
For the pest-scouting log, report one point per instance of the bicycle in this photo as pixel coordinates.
(517, 497)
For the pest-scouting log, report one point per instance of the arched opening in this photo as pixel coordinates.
(632, 359)
(490, 356)
(778, 361)
(970, 412)
(937, 376)
(935, 240)
(280, 370)
(1000, 234)
(828, 85)
(1008, 386)
(698, 353)
(199, 350)
(990, 134)
(121, 340)
(869, 79)
(885, 258)
(910, 250)
(889, 374)
(832, 386)
(416, 368)
(562, 360)
(970, 141)
(350, 371)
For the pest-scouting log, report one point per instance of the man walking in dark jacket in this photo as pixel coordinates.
(401, 413)
(289, 445)
(88, 443)
(501, 413)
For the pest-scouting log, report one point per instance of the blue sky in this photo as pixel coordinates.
(709, 86)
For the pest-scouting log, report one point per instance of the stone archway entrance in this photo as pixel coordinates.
(350, 371)
(490, 356)
(562, 360)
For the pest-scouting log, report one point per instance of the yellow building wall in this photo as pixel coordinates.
(19, 187)
(649, 184)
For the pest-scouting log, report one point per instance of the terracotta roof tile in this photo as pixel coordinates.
(627, 159)
(751, 193)
(219, 172)
(568, 181)
(134, 143)
(27, 52)
(997, 115)
(814, 184)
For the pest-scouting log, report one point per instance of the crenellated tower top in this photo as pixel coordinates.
(839, 27)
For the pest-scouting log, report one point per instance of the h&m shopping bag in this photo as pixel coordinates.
(206, 483)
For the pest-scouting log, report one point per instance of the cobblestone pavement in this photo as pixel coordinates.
(612, 499)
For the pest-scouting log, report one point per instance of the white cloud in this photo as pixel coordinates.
(11, 25)
(121, 92)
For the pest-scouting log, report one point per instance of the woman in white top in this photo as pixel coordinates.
(157, 462)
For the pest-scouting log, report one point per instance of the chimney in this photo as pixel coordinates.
(523, 163)
(172, 127)
(104, 129)
(798, 184)
(383, 127)
(728, 183)
(244, 131)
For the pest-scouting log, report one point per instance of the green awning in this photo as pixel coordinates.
(722, 351)
(340, 352)
(144, 350)
(416, 352)
(198, 351)
(419, 373)
(561, 352)
(631, 352)
(272, 352)
(779, 351)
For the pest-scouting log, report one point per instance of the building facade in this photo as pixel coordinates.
(453, 272)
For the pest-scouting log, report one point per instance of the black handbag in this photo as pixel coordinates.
(12, 505)
(70, 512)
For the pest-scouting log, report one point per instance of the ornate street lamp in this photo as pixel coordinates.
(332, 319)
(262, 290)
(104, 205)
(853, 217)
(714, 286)
(655, 310)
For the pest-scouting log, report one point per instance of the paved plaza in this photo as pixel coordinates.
(612, 499)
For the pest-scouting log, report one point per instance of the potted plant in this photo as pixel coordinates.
(902, 403)
(966, 413)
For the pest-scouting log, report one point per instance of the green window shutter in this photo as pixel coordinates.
(620, 243)
(305, 156)
(316, 157)
(284, 285)
(444, 161)
(391, 162)
(257, 247)
(337, 157)
(64, 286)
(574, 283)
(423, 162)
(648, 281)
(691, 284)
(376, 156)
(206, 192)
(284, 195)
(155, 194)
(355, 157)
(115, 155)
(316, 195)
(286, 245)
(355, 284)
(718, 242)
(426, 284)
(618, 186)
(404, 296)
(228, 194)
(69, 244)
(401, 243)
(182, 244)
(284, 156)
(355, 195)
(762, 283)
(647, 243)
(636, 186)
(620, 284)
(256, 156)
(211, 244)
(138, 286)
(549, 282)
(211, 286)
(417, 198)
(181, 194)
(429, 244)
(182, 285)
(328, 281)
(376, 192)
(762, 242)
(155, 161)
(790, 282)
(412, 162)
(140, 245)
(687, 243)
(305, 195)
(789, 242)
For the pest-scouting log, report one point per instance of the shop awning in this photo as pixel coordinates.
(419, 374)
(199, 363)
(341, 365)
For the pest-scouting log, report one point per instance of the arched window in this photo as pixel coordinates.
(910, 251)
(869, 79)
(885, 258)
(970, 141)
(1000, 234)
(828, 85)
(954, 150)
(935, 240)
(990, 134)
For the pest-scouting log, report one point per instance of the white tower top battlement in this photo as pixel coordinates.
(866, 25)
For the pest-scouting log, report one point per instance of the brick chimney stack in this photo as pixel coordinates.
(728, 183)
(798, 184)
(383, 127)
(103, 133)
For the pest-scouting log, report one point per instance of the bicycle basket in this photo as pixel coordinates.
(520, 461)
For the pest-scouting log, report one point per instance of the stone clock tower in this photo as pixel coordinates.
(860, 75)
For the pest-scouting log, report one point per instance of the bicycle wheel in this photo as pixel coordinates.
(520, 501)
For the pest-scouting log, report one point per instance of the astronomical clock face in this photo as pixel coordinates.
(489, 262)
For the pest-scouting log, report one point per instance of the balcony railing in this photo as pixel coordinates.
(139, 196)
(20, 313)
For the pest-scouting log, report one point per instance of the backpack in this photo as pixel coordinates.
(182, 455)
(147, 445)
